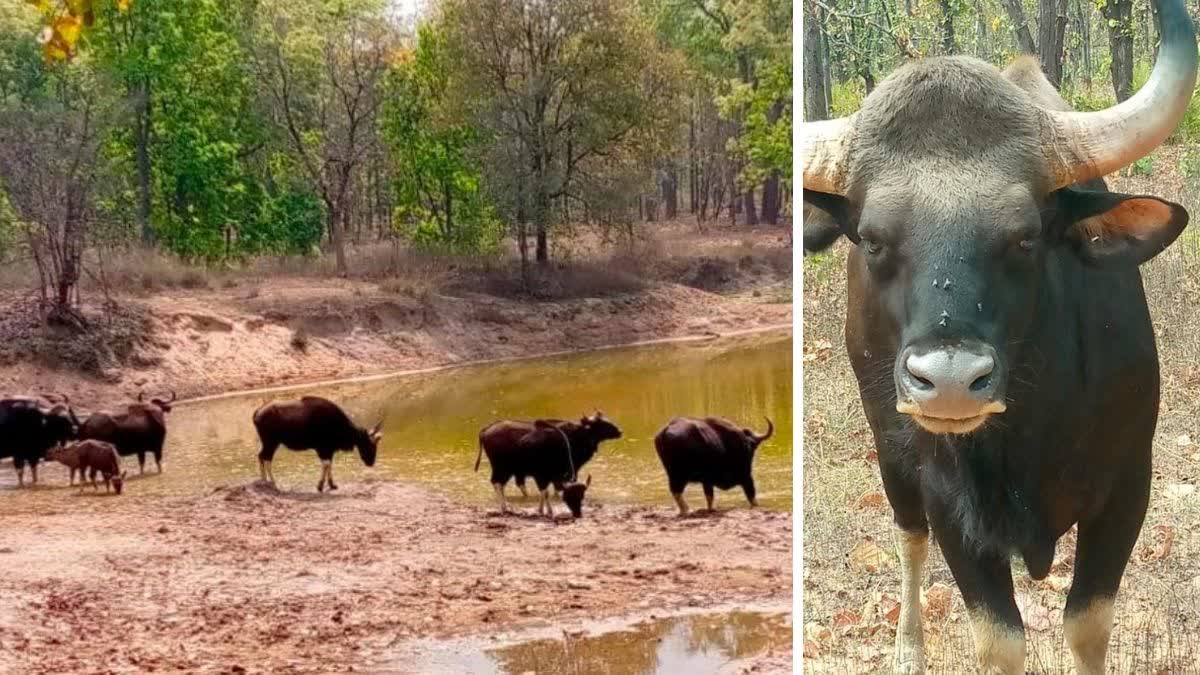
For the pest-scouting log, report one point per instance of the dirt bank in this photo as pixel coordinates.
(252, 580)
(295, 330)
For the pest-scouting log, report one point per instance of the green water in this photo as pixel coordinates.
(433, 422)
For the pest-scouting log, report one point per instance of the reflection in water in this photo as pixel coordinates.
(433, 421)
(697, 645)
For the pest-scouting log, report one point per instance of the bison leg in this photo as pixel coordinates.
(546, 500)
(521, 486)
(141, 461)
(158, 460)
(33, 470)
(677, 487)
(19, 465)
(1105, 544)
(910, 638)
(709, 496)
(500, 500)
(985, 579)
(325, 466)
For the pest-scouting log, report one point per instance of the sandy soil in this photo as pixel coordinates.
(252, 580)
(297, 330)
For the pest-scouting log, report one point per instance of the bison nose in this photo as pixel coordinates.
(951, 384)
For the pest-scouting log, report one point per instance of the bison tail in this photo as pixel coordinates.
(479, 457)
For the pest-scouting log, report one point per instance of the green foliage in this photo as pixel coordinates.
(1144, 166)
(439, 201)
(847, 97)
(9, 227)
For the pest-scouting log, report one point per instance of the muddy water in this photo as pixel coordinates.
(697, 644)
(433, 420)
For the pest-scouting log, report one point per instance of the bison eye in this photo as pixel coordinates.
(1027, 245)
(872, 247)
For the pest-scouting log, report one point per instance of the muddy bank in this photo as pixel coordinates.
(251, 578)
(296, 331)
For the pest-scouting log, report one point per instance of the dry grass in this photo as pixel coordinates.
(1158, 610)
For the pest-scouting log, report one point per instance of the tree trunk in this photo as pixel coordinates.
(748, 206)
(142, 155)
(1016, 14)
(335, 236)
(1119, 14)
(1052, 26)
(983, 49)
(669, 195)
(948, 45)
(815, 99)
(770, 199)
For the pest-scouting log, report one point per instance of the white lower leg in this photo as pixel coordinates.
(909, 656)
(1087, 633)
(549, 506)
(1000, 647)
(21, 476)
(683, 507)
(500, 500)
(541, 502)
(33, 470)
(262, 470)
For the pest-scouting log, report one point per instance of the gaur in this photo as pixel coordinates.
(549, 450)
(141, 429)
(998, 327)
(93, 457)
(312, 423)
(29, 427)
(711, 451)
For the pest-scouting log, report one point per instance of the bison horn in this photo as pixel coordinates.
(823, 154)
(770, 431)
(1085, 145)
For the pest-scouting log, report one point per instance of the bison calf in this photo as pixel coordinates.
(551, 451)
(711, 451)
(312, 423)
(93, 457)
(141, 429)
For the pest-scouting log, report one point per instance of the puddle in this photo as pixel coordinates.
(695, 644)
(433, 422)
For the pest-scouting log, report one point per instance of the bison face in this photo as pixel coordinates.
(572, 495)
(600, 427)
(950, 291)
(368, 444)
(61, 424)
(118, 482)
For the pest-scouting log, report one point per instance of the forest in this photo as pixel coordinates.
(1095, 51)
(219, 132)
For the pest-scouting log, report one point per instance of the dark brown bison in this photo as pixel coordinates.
(30, 426)
(551, 451)
(141, 429)
(312, 423)
(998, 327)
(92, 457)
(711, 451)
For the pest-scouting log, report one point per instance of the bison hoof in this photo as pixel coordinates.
(321, 487)
(332, 486)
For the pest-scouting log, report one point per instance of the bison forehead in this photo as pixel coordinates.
(948, 115)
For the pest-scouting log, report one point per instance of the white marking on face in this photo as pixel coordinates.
(1000, 647)
(1087, 633)
(909, 656)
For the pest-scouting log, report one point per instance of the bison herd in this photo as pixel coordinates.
(711, 451)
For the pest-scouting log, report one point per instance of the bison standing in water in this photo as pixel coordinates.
(312, 423)
(551, 451)
(31, 426)
(91, 458)
(711, 451)
(141, 429)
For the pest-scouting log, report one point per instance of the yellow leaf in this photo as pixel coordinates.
(68, 28)
(55, 50)
(123, 5)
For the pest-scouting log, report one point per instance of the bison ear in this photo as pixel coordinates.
(825, 218)
(1106, 228)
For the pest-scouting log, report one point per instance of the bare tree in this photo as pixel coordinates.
(49, 161)
(328, 109)
(1052, 26)
(1016, 14)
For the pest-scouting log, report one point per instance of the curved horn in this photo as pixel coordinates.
(823, 154)
(1081, 146)
(770, 431)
